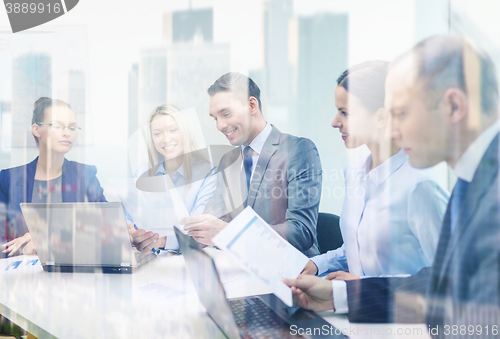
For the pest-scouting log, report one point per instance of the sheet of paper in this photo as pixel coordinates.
(153, 202)
(19, 264)
(262, 252)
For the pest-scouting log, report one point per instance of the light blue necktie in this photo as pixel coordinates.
(457, 201)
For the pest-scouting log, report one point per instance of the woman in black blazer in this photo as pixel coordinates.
(49, 178)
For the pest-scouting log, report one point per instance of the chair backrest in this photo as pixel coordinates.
(328, 230)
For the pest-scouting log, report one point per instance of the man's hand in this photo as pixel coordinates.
(203, 227)
(341, 275)
(310, 268)
(12, 246)
(312, 293)
(146, 241)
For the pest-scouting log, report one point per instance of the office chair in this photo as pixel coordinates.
(328, 230)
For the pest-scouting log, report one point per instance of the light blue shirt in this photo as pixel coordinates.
(201, 190)
(390, 221)
(203, 183)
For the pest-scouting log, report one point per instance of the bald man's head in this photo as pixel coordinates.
(451, 61)
(441, 95)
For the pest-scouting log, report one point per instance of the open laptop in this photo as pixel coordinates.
(82, 237)
(263, 316)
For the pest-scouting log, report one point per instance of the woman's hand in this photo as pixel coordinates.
(12, 246)
(341, 275)
(145, 242)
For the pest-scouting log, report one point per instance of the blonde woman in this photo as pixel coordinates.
(173, 151)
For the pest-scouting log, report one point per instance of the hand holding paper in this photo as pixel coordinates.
(203, 227)
(262, 252)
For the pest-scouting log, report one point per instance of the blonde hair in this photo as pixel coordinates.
(191, 147)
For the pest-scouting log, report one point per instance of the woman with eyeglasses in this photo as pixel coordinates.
(50, 178)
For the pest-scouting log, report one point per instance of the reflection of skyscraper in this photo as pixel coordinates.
(274, 79)
(185, 26)
(133, 99)
(71, 88)
(191, 69)
(180, 75)
(321, 57)
(180, 72)
(320, 45)
(31, 79)
(277, 15)
(152, 75)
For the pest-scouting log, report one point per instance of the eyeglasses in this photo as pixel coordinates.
(56, 127)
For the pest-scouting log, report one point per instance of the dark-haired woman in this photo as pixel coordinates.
(50, 178)
(392, 213)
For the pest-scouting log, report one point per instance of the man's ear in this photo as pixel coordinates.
(253, 104)
(455, 104)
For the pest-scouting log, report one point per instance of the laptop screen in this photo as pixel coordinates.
(201, 269)
(79, 234)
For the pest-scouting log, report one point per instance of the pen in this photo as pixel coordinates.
(135, 227)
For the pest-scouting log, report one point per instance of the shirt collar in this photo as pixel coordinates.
(258, 143)
(468, 163)
(380, 173)
(175, 175)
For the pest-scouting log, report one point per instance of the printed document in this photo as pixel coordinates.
(262, 252)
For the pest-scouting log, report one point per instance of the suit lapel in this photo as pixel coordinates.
(234, 181)
(481, 183)
(27, 180)
(270, 147)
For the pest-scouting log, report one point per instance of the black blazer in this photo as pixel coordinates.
(79, 184)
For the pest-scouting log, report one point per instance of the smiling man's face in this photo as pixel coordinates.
(233, 118)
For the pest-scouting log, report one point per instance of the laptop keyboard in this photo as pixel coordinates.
(256, 320)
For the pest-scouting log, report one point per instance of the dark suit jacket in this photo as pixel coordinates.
(285, 189)
(463, 285)
(79, 184)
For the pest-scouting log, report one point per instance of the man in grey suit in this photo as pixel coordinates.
(277, 174)
(443, 99)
